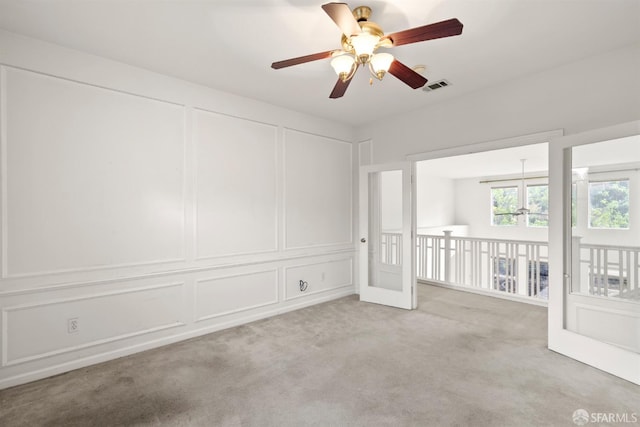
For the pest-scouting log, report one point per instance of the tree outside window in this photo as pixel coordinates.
(609, 204)
(538, 204)
(504, 200)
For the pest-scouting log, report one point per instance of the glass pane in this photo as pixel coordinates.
(604, 296)
(605, 251)
(609, 204)
(538, 204)
(385, 229)
(504, 202)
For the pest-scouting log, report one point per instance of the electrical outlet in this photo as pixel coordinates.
(73, 325)
(322, 276)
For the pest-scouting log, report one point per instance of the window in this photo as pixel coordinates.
(503, 201)
(538, 204)
(609, 204)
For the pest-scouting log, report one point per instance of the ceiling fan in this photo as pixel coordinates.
(522, 210)
(519, 211)
(361, 39)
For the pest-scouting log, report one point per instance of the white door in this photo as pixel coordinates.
(594, 248)
(387, 272)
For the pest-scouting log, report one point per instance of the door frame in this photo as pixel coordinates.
(607, 357)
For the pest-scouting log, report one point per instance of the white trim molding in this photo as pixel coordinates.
(517, 141)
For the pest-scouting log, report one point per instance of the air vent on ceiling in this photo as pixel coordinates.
(437, 85)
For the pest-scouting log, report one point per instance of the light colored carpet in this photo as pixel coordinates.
(460, 359)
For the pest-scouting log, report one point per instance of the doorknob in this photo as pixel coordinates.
(363, 240)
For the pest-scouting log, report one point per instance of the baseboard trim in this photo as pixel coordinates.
(149, 345)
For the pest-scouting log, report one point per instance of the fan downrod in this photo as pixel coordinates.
(362, 13)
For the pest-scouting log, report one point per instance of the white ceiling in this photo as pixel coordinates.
(230, 44)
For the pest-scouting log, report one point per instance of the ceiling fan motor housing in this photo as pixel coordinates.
(361, 14)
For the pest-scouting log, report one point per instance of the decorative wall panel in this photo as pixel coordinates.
(318, 190)
(236, 185)
(44, 329)
(230, 294)
(318, 277)
(92, 177)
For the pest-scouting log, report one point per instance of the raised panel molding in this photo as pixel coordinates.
(58, 333)
(321, 276)
(609, 325)
(318, 199)
(236, 185)
(140, 299)
(21, 288)
(235, 293)
(52, 221)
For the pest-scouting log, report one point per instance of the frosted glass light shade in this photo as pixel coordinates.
(381, 62)
(342, 64)
(364, 44)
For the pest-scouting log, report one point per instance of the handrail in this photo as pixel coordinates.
(535, 242)
(488, 239)
(610, 247)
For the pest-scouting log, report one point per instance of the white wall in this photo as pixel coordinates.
(153, 210)
(582, 95)
(435, 201)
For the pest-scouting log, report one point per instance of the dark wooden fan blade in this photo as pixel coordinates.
(343, 17)
(301, 59)
(407, 75)
(341, 87)
(451, 27)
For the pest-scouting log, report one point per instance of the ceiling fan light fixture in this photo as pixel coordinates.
(361, 38)
(344, 66)
(380, 63)
(364, 44)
